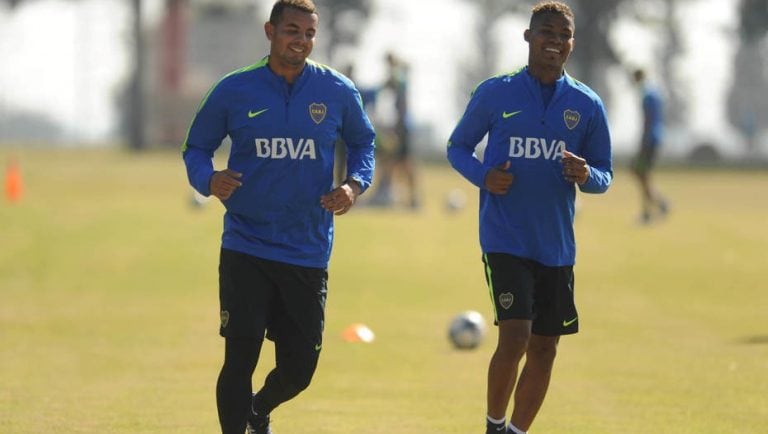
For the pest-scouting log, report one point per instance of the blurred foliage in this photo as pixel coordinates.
(753, 19)
(591, 63)
(588, 63)
(747, 105)
(342, 21)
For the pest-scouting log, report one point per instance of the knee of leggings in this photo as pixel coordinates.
(298, 373)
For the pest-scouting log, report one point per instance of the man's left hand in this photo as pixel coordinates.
(575, 168)
(341, 199)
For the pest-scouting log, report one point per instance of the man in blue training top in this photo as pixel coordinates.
(547, 134)
(284, 115)
(653, 204)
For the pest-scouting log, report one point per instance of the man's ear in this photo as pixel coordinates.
(269, 29)
(527, 35)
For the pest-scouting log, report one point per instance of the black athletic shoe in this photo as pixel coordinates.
(492, 428)
(258, 425)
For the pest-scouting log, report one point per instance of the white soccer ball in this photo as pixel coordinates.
(467, 330)
(455, 200)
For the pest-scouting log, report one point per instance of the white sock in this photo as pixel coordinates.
(501, 421)
(515, 429)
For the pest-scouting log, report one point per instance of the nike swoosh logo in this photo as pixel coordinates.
(503, 428)
(254, 114)
(318, 346)
(567, 323)
(506, 115)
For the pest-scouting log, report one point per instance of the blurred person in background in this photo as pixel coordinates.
(283, 114)
(652, 204)
(368, 95)
(394, 147)
(547, 135)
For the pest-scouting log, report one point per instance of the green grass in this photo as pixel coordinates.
(109, 309)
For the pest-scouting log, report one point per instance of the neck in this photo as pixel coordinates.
(544, 74)
(287, 72)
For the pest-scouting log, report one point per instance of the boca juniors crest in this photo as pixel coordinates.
(571, 118)
(317, 111)
(506, 299)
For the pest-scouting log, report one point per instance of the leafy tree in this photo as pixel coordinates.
(342, 21)
(588, 63)
(746, 101)
(661, 16)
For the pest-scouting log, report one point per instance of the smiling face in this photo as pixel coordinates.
(550, 42)
(291, 38)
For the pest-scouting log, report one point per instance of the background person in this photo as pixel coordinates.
(652, 203)
(394, 148)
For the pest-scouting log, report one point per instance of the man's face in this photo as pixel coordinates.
(550, 40)
(292, 38)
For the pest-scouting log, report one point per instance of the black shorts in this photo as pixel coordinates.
(403, 150)
(525, 289)
(258, 296)
(645, 158)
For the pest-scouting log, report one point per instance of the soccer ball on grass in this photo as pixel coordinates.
(467, 330)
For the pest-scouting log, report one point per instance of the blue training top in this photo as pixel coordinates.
(653, 117)
(283, 140)
(534, 219)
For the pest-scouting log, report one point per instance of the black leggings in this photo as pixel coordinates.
(292, 374)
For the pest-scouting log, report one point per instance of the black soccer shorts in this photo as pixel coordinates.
(645, 159)
(259, 296)
(525, 289)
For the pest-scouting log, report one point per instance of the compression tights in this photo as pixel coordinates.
(295, 366)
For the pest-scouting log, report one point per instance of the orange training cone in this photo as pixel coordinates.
(357, 333)
(13, 184)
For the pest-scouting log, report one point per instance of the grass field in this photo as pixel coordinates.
(109, 309)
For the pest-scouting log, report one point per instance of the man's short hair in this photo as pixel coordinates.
(280, 5)
(555, 7)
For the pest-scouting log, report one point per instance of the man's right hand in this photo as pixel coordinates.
(498, 180)
(224, 183)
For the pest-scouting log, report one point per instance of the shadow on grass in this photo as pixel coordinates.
(754, 340)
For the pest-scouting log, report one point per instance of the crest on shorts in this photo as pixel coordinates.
(317, 111)
(572, 118)
(224, 318)
(506, 299)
